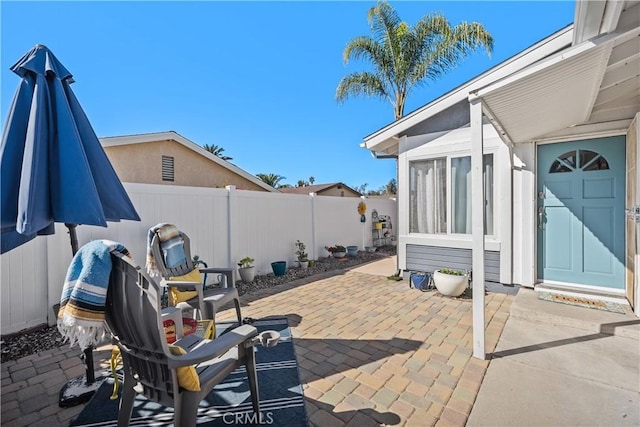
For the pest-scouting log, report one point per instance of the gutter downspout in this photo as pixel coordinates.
(376, 156)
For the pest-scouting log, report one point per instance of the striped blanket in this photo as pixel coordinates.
(171, 245)
(82, 304)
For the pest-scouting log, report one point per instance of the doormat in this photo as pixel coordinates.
(582, 302)
(281, 396)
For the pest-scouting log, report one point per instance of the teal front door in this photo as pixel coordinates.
(580, 212)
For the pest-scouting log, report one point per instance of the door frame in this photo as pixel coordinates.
(632, 261)
(537, 280)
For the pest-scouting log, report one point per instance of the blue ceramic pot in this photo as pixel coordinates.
(352, 251)
(279, 267)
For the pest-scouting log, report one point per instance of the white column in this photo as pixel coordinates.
(477, 227)
(231, 223)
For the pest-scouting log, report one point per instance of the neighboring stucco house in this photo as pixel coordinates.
(171, 159)
(332, 189)
(544, 146)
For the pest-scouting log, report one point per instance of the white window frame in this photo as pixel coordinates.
(449, 181)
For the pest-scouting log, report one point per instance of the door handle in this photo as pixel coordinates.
(540, 216)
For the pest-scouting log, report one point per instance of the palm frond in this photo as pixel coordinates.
(271, 179)
(216, 150)
(363, 83)
(402, 56)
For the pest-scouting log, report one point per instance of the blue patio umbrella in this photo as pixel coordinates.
(52, 165)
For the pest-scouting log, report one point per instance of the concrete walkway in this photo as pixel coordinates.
(384, 267)
(560, 365)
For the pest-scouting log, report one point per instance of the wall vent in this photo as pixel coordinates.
(167, 168)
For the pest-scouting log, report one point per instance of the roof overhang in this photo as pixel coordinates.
(585, 75)
(596, 17)
(562, 91)
(386, 140)
(551, 95)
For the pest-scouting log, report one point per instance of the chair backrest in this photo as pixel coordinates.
(133, 316)
(180, 270)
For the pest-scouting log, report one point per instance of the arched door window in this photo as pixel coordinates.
(585, 160)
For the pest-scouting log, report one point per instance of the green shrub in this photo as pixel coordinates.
(452, 272)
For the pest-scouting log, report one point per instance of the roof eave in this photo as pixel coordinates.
(560, 39)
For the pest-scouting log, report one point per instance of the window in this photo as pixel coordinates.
(167, 168)
(430, 200)
(428, 191)
(589, 161)
(461, 194)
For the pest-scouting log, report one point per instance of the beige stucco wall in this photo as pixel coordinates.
(335, 191)
(142, 163)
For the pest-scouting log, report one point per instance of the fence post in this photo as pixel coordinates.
(313, 226)
(231, 223)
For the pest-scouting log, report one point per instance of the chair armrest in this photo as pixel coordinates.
(200, 350)
(229, 273)
(180, 284)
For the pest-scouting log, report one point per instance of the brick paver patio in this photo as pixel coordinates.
(370, 352)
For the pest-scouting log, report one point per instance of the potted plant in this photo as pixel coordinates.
(337, 251)
(303, 257)
(451, 282)
(279, 268)
(247, 270)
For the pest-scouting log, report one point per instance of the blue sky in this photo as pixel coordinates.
(257, 78)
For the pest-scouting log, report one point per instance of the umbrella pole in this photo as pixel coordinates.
(88, 352)
(73, 236)
(79, 390)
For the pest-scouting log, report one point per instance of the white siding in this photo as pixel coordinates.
(524, 206)
(457, 142)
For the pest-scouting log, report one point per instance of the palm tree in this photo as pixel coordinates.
(216, 151)
(403, 57)
(271, 179)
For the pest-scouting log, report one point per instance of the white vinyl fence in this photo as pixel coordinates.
(224, 225)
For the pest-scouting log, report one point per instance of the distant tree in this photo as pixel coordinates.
(374, 193)
(306, 183)
(216, 151)
(362, 188)
(403, 57)
(391, 187)
(271, 179)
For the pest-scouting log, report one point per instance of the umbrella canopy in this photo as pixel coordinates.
(52, 165)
